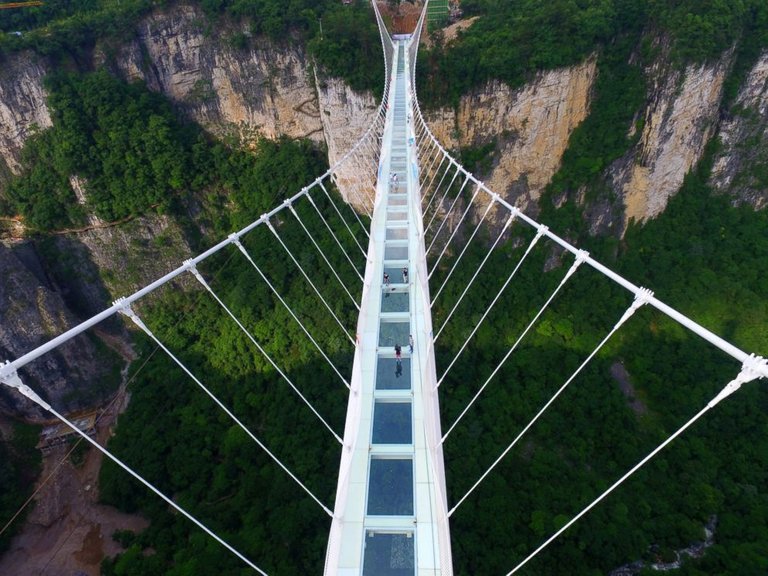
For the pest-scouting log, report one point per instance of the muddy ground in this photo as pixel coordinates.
(68, 532)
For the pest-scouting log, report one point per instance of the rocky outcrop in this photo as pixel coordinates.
(22, 106)
(262, 90)
(265, 89)
(346, 117)
(531, 127)
(136, 253)
(33, 313)
(741, 167)
(678, 121)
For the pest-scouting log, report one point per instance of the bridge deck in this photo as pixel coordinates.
(390, 516)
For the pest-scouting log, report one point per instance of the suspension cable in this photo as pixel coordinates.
(323, 256)
(194, 271)
(354, 185)
(338, 242)
(14, 381)
(245, 253)
(641, 298)
(751, 370)
(429, 170)
(576, 263)
(362, 183)
(128, 311)
(440, 183)
(447, 213)
(539, 234)
(442, 199)
(456, 229)
(319, 295)
(434, 173)
(466, 246)
(345, 220)
(507, 224)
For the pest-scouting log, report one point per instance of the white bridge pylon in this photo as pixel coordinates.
(391, 514)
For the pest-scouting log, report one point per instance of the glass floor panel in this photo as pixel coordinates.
(394, 301)
(398, 200)
(390, 376)
(389, 554)
(397, 216)
(397, 233)
(391, 333)
(395, 274)
(390, 487)
(396, 253)
(392, 423)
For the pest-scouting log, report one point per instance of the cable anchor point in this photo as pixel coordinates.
(643, 296)
(190, 267)
(13, 380)
(753, 368)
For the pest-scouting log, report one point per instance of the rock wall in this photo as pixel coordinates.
(531, 127)
(22, 105)
(261, 90)
(266, 89)
(346, 117)
(741, 167)
(33, 313)
(680, 117)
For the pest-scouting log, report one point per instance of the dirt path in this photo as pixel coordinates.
(69, 532)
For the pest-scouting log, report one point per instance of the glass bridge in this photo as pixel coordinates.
(391, 515)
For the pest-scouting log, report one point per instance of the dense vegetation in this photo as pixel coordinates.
(705, 258)
(512, 39)
(193, 451)
(132, 155)
(702, 256)
(19, 467)
(343, 39)
(226, 187)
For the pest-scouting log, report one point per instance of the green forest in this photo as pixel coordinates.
(513, 39)
(702, 256)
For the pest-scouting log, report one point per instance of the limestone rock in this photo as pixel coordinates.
(22, 105)
(34, 313)
(679, 119)
(531, 126)
(741, 168)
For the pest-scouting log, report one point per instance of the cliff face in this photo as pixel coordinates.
(741, 167)
(681, 114)
(22, 107)
(265, 90)
(680, 117)
(531, 127)
(34, 311)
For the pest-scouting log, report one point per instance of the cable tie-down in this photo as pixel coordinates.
(13, 380)
(753, 368)
(643, 296)
(196, 273)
